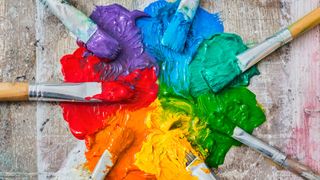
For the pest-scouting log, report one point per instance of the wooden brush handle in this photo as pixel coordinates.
(14, 91)
(306, 23)
(300, 169)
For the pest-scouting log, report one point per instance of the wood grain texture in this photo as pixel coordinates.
(14, 91)
(35, 140)
(306, 23)
(17, 63)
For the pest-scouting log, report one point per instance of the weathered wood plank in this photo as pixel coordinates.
(17, 63)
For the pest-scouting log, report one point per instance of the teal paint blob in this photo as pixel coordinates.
(215, 65)
(174, 71)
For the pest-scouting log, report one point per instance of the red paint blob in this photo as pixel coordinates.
(131, 92)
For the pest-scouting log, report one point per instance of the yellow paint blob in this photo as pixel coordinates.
(164, 151)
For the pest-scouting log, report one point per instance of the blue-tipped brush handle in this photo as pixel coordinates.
(177, 31)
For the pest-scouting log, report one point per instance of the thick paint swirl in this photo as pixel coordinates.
(148, 132)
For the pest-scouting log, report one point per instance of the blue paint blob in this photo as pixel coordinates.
(174, 71)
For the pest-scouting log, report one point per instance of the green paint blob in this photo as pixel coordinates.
(215, 65)
(214, 117)
(218, 115)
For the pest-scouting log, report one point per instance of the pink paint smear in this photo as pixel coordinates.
(305, 141)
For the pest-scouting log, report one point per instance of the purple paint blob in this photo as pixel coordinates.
(103, 45)
(120, 24)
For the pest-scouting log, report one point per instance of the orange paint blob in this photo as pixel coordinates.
(123, 136)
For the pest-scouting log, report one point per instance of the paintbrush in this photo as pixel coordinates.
(194, 164)
(103, 166)
(247, 59)
(275, 155)
(96, 40)
(65, 92)
(176, 33)
(198, 168)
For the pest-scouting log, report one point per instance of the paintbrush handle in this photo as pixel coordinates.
(61, 92)
(306, 23)
(76, 21)
(274, 154)
(300, 169)
(14, 91)
(252, 56)
(188, 8)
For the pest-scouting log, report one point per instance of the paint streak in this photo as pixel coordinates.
(174, 65)
(86, 119)
(216, 57)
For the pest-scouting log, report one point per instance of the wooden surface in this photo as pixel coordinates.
(35, 140)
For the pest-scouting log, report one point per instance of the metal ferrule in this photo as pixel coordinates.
(256, 144)
(67, 92)
(77, 22)
(252, 56)
(200, 170)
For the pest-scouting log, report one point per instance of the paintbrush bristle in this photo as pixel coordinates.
(176, 34)
(190, 158)
(217, 81)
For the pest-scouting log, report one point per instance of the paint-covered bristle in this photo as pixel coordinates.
(190, 158)
(215, 64)
(176, 33)
(217, 81)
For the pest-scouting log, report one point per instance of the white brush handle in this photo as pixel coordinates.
(274, 154)
(76, 21)
(252, 56)
(103, 166)
(188, 8)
